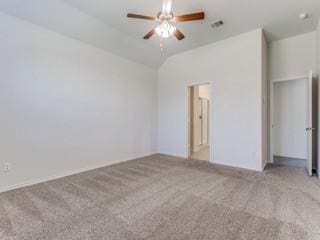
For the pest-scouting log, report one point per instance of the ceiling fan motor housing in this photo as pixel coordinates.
(165, 17)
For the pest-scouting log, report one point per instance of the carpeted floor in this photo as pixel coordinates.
(162, 197)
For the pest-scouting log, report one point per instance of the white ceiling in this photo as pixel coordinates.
(279, 19)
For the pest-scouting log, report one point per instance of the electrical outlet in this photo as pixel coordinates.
(7, 167)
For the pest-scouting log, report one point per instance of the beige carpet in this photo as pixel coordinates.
(162, 197)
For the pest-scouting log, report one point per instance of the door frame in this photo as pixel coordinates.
(208, 120)
(188, 126)
(271, 107)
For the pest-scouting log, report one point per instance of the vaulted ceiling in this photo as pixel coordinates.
(103, 23)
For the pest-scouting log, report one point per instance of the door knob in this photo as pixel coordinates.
(310, 129)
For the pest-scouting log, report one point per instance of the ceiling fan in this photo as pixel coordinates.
(166, 19)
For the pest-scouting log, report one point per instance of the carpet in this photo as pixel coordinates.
(164, 197)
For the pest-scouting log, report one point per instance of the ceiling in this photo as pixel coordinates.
(102, 19)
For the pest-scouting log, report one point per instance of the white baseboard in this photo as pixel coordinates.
(264, 165)
(67, 173)
(290, 156)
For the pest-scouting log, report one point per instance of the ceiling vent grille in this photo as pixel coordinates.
(217, 23)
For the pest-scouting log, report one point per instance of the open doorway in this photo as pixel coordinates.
(199, 122)
(294, 122)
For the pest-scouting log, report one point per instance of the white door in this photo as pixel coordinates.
(310, 127)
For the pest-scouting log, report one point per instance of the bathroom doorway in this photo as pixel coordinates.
(199, 122)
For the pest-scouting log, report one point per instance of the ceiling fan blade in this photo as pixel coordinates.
(190, 17)
(131, 15)
(166, 7)
(179, 35)
(149, 34)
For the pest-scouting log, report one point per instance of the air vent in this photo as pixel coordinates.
(217, 23)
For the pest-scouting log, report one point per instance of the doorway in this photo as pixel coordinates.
(199, 122)
(293, 117)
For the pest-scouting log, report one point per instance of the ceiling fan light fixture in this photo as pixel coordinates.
(166, 19)
(165, 29)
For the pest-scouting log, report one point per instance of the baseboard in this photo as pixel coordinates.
(236, 166)
(173, 154)
(265, 165)
(285, 161)
(67, 173)
(289, 156)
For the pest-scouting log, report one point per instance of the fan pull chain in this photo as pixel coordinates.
(161, 44)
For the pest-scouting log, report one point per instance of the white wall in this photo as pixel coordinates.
(318, 65)
(292, 57)
(234, 67)
(65, 105)
(290, 119)
(318, 47)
